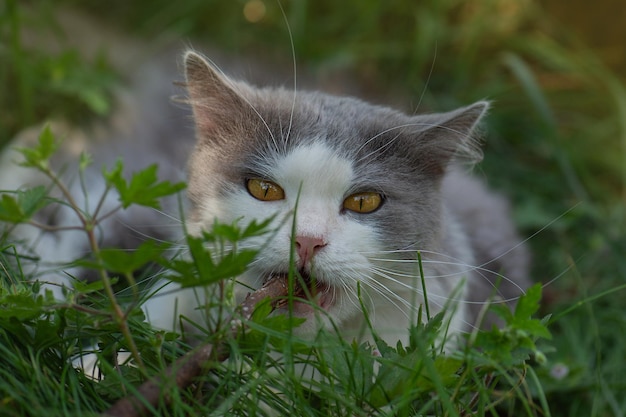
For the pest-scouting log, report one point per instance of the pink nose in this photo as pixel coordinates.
(307, 246)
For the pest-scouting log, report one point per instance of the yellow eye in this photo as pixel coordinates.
(363, 202)
(264, 190)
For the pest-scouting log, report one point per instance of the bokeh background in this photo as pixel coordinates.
(555, 140)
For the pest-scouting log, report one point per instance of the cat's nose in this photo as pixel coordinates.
(307, 247)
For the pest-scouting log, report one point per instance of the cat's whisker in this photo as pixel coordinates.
(428, 78)
(345, 288)
(480, 269)
(532, 236)
(399, 302)
(382, 148)
(380, 287)
(138, 232)
(169, 216)
(470, 152)
(464, 274)
(410, 251)
(295, 76)
(379, 134)
(389, 296)
(387, 275)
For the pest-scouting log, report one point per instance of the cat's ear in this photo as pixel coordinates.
(450, 135)
(214, 97)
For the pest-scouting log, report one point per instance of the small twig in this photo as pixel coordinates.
(48, 228)
(182, 372)
(88, 225)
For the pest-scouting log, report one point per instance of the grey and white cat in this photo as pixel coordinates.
(369, 187)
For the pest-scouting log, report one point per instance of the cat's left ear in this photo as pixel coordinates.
(450, 135)
(216, 100)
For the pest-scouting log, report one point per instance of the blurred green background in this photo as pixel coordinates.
(555, 142)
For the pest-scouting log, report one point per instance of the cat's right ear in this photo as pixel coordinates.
(213, 96)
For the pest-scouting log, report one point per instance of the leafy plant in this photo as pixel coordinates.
(48, 344)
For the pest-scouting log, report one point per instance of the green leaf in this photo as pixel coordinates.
(22, 206)
(234, 233)
(21, 305)
(265, 326)
(85, 287)
(399, 376)
(37, 157)
(201, 259)
(353, 367)
(114, 176)
(203, 268)
(143, 188)
(511, 345)
(230, 232)
(209, 272)
(528, 304)
(255, 228)
(536, 328)
(10, 210)
(85, 160)
(127, 261)
(426, 334)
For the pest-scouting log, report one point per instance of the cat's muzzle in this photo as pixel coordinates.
(302, 292)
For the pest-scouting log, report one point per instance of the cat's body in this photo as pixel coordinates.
(370, 187)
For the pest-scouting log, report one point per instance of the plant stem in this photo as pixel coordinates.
(49, 228)
(89, 227)
(119, 314)
(419, 263)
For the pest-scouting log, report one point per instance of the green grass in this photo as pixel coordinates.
(323, 376)
(556, 146)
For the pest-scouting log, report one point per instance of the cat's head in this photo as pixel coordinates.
(362, 180)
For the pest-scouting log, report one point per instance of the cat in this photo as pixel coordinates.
(369, 187)
(366, 186)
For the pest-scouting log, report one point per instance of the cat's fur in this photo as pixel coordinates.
(321, 149)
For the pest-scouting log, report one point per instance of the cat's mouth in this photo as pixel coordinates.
(307, 294)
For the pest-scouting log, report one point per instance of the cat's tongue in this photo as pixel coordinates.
(307, 293)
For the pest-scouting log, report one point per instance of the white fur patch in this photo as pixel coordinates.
(315, 181)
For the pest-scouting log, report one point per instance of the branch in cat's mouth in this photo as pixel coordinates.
(305, 288)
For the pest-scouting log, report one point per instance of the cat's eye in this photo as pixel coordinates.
(364, 203)
(264, 190)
